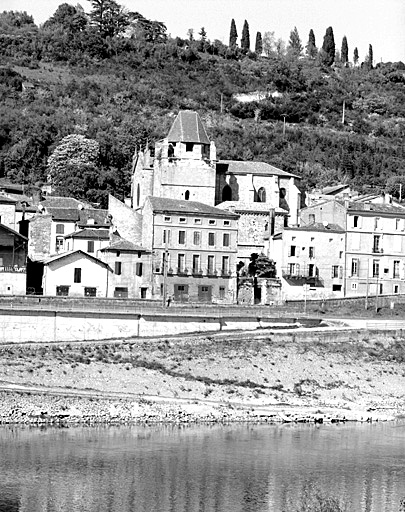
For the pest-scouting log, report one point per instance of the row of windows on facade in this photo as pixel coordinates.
(311, 270)
(182, 238)
(91, 291)
(183, 263)
(181, 292)
(376, 269)
(198, 221)
(399, 224)
(77, 275)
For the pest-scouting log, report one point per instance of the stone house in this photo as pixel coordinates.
(13, 262)
(310, 261)
(131, 275)
(194, 248)
(75, 274)
(374, 246)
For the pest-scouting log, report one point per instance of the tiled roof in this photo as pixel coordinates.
(99, 216)
(188, 127)
(64, 214)
(376, 208)
(71, 253)
(7, 200)
(124, 245)
(241, 167)
(239, 206)
(317, 226)
(96, 234)
(63, 202)
(162, 204)
(334, 189)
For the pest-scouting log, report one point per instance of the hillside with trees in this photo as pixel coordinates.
(79, 94)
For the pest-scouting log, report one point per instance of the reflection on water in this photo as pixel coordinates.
(190, 469)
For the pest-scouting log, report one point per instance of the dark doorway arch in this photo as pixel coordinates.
(261, 195)
(227, 193)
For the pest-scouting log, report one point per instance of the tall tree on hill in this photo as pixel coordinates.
(370, 57)
(311, 46)
(294, 43)
(356, 56)
(259, 44)
(109, 17)
(233, 35)
(344, 53)
(328, 48)
(245, 40)
(70, 18)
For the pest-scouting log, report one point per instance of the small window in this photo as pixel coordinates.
(182, 220)
(197, 238)
(211, 263)
(226, 240)
(354, 286)
(60, 229)
(356, 221)
(118, 254)
(311, 218)
(182, 237)
(59, 243)
(189, 146)
(197, 221)
(340, 255)
(90, 246)
(376, 268)
(336, 288)
(222, 292)
(167, 219)
(227, 222)
(118, 268)
(355, 267)
(121, 292)
(225, 264)
(293, 250)
(139, 269)
(396, 269)
(212, 222)
(77, 275)
(62, 291)
(396, 288)
(397, 224)
(311, 252)
(187, 195)
(90, 291)
(335, 271)
(211, 239)
(377, 223)
(143, 293)
(166, 236)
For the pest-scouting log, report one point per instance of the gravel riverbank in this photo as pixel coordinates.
(254, 376)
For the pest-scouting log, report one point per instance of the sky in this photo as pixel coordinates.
(380, 23)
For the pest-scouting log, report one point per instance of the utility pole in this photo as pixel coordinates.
(366, 301)
(284, 116)
(376, 296)
(222, 103)
(343, 112)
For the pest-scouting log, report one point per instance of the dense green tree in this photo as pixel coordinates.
(68, 17)
(109, 17)
(269, 43)
(233, 35)
(294, 44)
(355, 56)
(328, 48)
(311, 48)
(259, 43)
(344, 53)
(370, 57)
(245, 40)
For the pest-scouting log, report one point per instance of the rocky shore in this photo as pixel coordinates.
(245, 377)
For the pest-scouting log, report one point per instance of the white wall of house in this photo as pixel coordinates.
(62, 273)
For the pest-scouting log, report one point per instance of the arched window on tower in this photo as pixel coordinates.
(187, 195)
(227, 193)
(138, 195)
(261, 195)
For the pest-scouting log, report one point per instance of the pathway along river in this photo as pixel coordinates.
(232, 468)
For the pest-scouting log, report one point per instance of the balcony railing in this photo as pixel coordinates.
(14, 269)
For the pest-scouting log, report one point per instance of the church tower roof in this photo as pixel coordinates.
(188, 127)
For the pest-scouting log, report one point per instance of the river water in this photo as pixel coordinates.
(246, 468)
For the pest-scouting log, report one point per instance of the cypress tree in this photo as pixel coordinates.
(233, 36)
(311, 46)
(259, 44)
(344, 53)
(328, 47)
(370, 57)
(245, 40)
(356, 56)
(294, 44)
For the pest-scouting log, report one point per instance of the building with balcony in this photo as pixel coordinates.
(375, 244)
(194, 249)
(310, 261)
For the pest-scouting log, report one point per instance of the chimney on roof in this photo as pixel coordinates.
(387, 198)
(346, 203)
